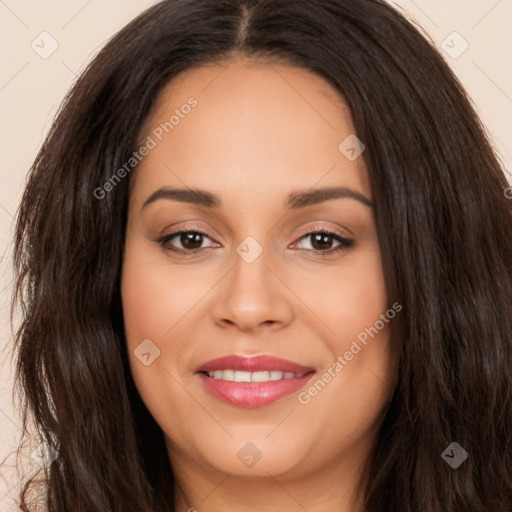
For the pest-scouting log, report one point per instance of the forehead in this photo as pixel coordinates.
(254, 125)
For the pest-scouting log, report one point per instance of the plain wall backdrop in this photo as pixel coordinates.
(45, 45)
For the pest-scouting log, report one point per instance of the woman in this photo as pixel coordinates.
(265, 261)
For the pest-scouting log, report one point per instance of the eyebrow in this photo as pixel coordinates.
(295, 200)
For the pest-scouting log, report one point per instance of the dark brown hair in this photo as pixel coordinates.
(444, 227)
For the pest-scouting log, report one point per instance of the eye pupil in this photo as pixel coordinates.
(187, 240)
(320, 238)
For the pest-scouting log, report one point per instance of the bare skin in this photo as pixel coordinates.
(258, 133)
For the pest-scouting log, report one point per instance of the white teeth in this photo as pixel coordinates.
(228, 375)
(261, 376)
(242, 376)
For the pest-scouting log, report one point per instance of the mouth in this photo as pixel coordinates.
(261, 376)
(252, 381)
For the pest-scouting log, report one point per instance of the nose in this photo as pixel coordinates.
(253, 296)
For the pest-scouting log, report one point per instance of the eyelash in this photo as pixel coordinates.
(344, 243)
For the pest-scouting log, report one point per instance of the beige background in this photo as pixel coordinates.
(31, 89)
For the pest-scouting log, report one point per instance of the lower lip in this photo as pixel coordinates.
(252, 394)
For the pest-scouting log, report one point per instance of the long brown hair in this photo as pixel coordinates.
(444, 227)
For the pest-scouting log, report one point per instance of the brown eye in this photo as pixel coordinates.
(322, 242)
(187, 241)
(191, 240)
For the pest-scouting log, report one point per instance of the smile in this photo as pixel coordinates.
(262, 376)
(256, 381)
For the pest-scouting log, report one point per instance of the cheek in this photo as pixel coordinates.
(346, 299)
(363, 325)
(147, 303)
(356, 311)
(152, 305)
(155, 295)
(148, 306)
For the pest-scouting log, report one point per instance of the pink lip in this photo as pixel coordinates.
(252, 364)
(252, 394)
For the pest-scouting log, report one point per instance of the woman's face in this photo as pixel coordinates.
(281, 270)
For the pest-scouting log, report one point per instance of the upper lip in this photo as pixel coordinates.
(252, 364)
